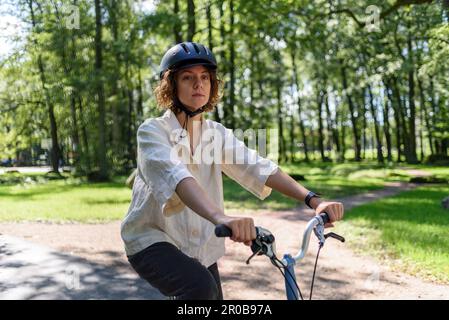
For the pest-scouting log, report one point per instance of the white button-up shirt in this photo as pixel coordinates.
(156, 213)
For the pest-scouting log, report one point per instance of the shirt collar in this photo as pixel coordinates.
(174, 123)
(176, 128)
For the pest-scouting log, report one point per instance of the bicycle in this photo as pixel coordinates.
(264, 244)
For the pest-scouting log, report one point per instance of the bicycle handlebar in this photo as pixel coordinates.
(222, 230)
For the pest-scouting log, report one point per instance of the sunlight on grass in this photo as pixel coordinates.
(32, 197)
(409, 231)
(64, 201)
(330, 180)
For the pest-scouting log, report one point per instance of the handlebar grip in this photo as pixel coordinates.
(325, 217)
(222, 231)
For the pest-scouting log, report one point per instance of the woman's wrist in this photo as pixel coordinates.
(218, 217)
(312, 200)
(315, 202)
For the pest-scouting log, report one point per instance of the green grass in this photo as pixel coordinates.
(410, 231)
(32, 197)
(75, 200)
(331, 180)
(64, 200)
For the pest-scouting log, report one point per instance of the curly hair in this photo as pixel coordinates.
(166, 91)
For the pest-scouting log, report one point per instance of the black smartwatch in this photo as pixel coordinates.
(309, 197)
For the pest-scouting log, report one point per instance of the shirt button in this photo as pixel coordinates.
(195, 233)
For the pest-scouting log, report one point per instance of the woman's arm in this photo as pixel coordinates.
(193, 196)
(285, 184)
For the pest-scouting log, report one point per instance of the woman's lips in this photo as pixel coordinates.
(198, 95)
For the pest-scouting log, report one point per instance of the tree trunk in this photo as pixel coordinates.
(397, 118)
(280, 124)
(401, 114)
(224, 60)
(55, 152)
(355, 131)
(211, 45)
(301, 123)
(421, 127)
(190, 20)
(343, 135)
(434, 114)
(332, 127)
(320, 97)
(232, 64)
(411, 97)
(380, 157)
(425, 115)
(73, 98)
(139, 96)
(68, 71)
(177, 25)
(386, 127)
(364, 127)
(101, 151)
(131, 156)
(86, 150)
(292, 138)
(116, 102)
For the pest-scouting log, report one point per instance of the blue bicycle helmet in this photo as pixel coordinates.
(187, 54)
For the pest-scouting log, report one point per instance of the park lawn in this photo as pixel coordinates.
(330, 180)
(74, 200)
(237, 197)
(409, 231)
(65, 200)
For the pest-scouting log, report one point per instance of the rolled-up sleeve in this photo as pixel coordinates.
(160, 169)
(246, 166)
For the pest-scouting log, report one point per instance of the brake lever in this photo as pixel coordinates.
(253, 255)
(263, 244)
(335, 236)
(319, 233)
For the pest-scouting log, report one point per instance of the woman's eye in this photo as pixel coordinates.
(187, 78)
(205, 77)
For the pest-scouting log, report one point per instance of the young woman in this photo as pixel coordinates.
(169, 229)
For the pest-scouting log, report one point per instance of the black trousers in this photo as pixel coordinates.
(175, 274)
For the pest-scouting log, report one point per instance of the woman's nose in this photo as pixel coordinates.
(198, 82)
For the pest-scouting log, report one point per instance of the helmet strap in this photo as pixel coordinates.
(180, 105)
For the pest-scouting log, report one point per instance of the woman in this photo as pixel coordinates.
(177, 200)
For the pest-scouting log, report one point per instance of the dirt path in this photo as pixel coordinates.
(341, 274)
(416, 172)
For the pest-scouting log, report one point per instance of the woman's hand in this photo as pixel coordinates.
(334, 210)
(243, 229)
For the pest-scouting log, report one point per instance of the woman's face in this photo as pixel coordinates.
(193, 86)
